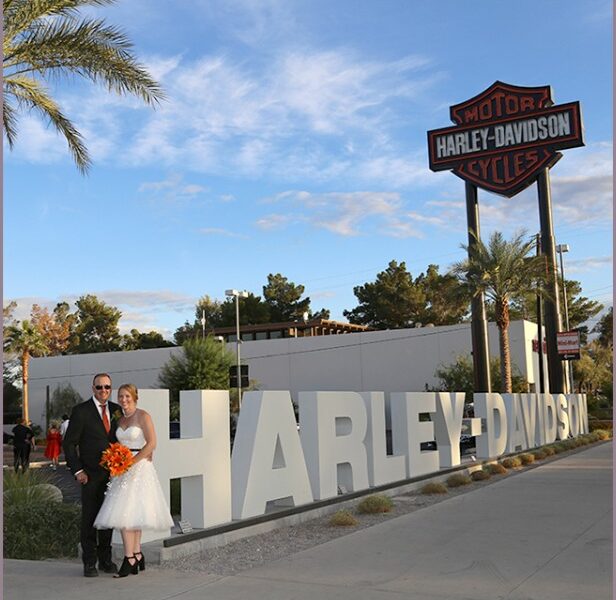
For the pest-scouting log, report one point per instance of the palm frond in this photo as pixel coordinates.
(9, 122)
(28, 91)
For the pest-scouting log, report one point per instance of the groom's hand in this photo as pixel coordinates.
(82, 477)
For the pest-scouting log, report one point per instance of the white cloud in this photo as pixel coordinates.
(583, 265)
(222, 232)
(172, 189)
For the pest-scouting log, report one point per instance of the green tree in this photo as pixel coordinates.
(137, 340)
(504, 271)
(46, 40)
(62, 401)
(97, 326)
(284, 299)
(605, 329)
(25, 341)
(446, 303)
(458, 377)
(392, 301)
(253, 311)
(206, 308)
(202, 365)
(63, 316)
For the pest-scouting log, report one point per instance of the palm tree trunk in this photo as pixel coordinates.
(502, 320)
(25, 358)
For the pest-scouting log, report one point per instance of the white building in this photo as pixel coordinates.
(389, 361)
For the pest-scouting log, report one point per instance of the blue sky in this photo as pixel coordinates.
(293, 141)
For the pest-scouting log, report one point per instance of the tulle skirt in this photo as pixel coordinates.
(135, 500)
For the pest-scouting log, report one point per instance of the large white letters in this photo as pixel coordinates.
(516, 436)
(333, 427)
(493, 441)
(448, 425)
(381, 468)
(408, 432)
(267, 461)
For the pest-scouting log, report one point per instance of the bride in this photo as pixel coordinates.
(134, 500)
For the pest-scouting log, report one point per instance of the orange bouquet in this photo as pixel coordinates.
(117, 459)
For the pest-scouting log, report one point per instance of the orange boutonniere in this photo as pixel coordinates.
(117, 459)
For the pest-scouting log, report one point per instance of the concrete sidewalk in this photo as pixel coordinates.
(543, 534)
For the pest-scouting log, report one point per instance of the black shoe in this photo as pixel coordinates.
(108, 567)
(127, 568)
(140, 560)
(90, 571)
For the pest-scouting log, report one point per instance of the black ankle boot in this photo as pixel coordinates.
(127, 568)
(140, 560)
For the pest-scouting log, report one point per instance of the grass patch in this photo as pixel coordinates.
(527, 458)
(480, 475)
(343, 518)
(511, 462)
(434, 487)
(457, 480)
(495, 469)
(377, 503)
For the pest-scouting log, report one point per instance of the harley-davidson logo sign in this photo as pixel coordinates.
(505, 136)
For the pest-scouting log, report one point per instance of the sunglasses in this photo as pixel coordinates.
(102, 387)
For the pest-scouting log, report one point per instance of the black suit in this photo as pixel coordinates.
(84, 442)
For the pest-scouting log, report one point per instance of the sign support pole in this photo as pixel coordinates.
(552, 312)
(479, 324)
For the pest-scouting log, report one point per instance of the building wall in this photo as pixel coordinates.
(389, 361)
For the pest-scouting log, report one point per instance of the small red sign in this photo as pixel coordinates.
(568, 343)
(505, 136)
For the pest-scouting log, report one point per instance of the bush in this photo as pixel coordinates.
(511, 462)
(603, 425)
(602, 434)
(435, 487)
(41, 530)
(480, 475)
(559, 447)
(549, 450)
(25, 489)
(377, 503)
(495, 469)
(458, 479)
(527, 458)
(539, 454)
(343, 518)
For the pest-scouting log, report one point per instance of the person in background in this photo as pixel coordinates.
(64, 425)
(23, 441)
(54, 442)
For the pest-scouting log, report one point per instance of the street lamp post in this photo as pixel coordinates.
(561, 248)
(237, 295)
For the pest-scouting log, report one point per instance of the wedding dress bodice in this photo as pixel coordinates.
(132, 437)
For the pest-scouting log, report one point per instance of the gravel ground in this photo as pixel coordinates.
(259, 549)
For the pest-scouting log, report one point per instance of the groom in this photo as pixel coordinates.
(91, 429)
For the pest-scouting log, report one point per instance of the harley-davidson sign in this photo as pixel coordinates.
(505, 136)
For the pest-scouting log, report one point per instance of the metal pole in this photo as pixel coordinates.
(540, 329)
(564, 284)
(552, 312)
(479, 324)
(237, 343)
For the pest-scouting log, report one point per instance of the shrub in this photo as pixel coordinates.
(41, 530)
(559, 447)
(434, 487)
(603, 425)
(458, 479)
(30, 487)
(527, 458)
(539, 454)
(495, 469)
(511, 462)
(549, 450)
(377, 503)
(343, 518)
(603, 434)
(480, 475)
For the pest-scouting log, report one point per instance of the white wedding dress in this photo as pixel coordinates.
(134, 500)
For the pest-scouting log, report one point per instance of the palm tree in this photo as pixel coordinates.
(47, 39)
(24, 341)
(504, 271)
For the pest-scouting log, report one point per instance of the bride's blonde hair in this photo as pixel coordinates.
(131, 389)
